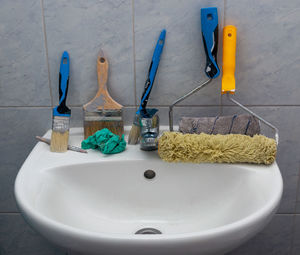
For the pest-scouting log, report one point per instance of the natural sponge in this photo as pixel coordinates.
(231, 148)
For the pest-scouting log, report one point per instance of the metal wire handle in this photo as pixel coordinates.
(257, 116)
(182, 98)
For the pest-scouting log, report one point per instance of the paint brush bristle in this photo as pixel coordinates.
(60, 134)
(134, 134)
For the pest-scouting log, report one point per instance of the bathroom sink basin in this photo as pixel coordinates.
(106, 204)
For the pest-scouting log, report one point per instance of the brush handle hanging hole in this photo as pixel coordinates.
(102, 60)
(229, 34)
(209, 16)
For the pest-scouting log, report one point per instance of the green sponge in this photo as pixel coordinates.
(104, 141)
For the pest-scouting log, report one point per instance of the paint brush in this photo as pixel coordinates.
(70, 147)
(134, 133)
(102, 111)
(61, 113)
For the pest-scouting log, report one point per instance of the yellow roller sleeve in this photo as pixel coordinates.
(229, 47)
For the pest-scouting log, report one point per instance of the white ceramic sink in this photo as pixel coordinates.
(94, 203)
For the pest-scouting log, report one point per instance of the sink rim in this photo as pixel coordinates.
(37, 218)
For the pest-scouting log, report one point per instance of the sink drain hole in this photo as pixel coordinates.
(148, 231)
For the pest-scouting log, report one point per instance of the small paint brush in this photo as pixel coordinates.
(70, 147)
(61, 113)
(102, 111)
(134, 133)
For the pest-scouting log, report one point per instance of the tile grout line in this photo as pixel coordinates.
(287, 214)
(133, 52)
(25, 107)
(46, 50)
(298, 189)
(225, 6)
(221, 105)
(162, 106)
(295, 210)
(12, 213)
(293, 228)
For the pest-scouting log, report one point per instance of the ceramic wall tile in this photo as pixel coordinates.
(16, 237)
(82, 28)
(296, 241)
(183, 59)
(275, 239)
(23, 64)
(267, 61)
(18, 131)
(298, 195)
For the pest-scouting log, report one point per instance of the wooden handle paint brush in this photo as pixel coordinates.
(102, 111)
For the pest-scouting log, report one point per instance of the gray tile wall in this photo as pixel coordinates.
(34, 33)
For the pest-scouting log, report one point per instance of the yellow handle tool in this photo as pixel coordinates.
(229, 47)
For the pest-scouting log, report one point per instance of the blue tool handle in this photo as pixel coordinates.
(209, 27)
(152, 70)
(62, 109)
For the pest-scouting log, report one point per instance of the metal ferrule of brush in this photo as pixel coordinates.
(149, 131)
(137, 120)
(103, 115)
(61, 123)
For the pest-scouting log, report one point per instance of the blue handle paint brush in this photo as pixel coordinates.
(135, 129)
(61, 113)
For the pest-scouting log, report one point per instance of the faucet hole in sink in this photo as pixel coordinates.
(148, 231)
(149, 174)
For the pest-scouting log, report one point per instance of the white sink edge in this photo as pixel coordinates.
(265, 211)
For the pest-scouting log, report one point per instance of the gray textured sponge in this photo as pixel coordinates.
(235, 124)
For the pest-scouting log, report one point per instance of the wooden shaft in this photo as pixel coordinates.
(102, 99)
(102, 72)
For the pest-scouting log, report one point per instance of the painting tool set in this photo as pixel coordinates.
(220, 139)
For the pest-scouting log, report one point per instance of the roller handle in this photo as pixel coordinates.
(62, 109)
(229, 49)
(209, 27)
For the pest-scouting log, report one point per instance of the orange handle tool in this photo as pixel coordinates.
(229, 48)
